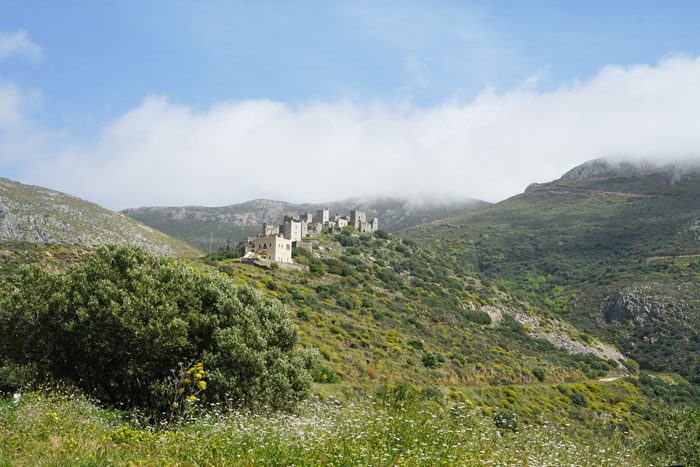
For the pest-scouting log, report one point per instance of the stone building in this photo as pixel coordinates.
(358, 219)
(273, 248)
(293, 229)
(340, 221)
(323, 216)
(269, 229)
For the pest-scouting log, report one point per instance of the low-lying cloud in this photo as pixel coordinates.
(164, 153)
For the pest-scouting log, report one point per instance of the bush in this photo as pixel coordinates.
(398, 396)
(675, 439)
(381, 233)
(317, 267)
(539, 373)
(506, 419)
(478, 317)
(430, 360)
(325, 376)
(416, 344)
(579, 398)
(120, 323)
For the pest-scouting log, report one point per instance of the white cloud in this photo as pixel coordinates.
(491, 147)
(19, 43)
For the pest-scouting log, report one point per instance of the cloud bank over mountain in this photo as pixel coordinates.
(491, 147)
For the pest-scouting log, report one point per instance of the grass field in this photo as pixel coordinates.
(59, 429)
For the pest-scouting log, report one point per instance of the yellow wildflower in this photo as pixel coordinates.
(192, 398)
(175, 405)
(202, 385)
(181, 390)
(187, 381)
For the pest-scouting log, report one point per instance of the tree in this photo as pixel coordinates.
(120, 323)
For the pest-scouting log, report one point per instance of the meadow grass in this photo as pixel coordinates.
(58, 429)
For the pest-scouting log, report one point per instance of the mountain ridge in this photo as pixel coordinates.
(35, 214)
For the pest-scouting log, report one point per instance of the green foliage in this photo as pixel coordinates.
(118, 324)
(430, 360)
(398, 396)
(381, 233)
(570, 246)
(325, 376)
(316, 267)
(539, 373)
(506, 419)
(478, 317)
(675, 439)
(226, 252)
(416, 344)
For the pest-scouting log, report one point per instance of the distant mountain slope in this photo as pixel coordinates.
(34, 214)
(201, 225)
(612, 247)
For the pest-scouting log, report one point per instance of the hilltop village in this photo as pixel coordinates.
(277, 242)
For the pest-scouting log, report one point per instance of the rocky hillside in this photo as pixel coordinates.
(612, 247)
(33, 214)
(205, 226)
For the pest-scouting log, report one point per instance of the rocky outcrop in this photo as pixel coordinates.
(553, 331)
(643, 304)
(603, 168)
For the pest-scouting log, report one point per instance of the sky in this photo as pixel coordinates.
(129, 103)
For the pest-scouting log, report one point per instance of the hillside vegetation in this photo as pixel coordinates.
(612, 248)
(34, 214)
(479, 338)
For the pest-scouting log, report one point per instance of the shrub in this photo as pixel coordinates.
(120, 323)
(579, 398)
(675, 439)
(539, 373)
(430, 360)
(316, 267)
(398, 396)
(381, 233)
(325, 376)
(346, 302)
(478, 317)
(506, 419)
(416, 344)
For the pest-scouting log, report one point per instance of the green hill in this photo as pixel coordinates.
(454, 316)
(214, 226)
(613, 248)
(34, 214)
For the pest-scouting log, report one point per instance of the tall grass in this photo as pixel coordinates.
(69, 430)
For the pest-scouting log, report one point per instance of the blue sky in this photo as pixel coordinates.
(99, 61)
(102, 58)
